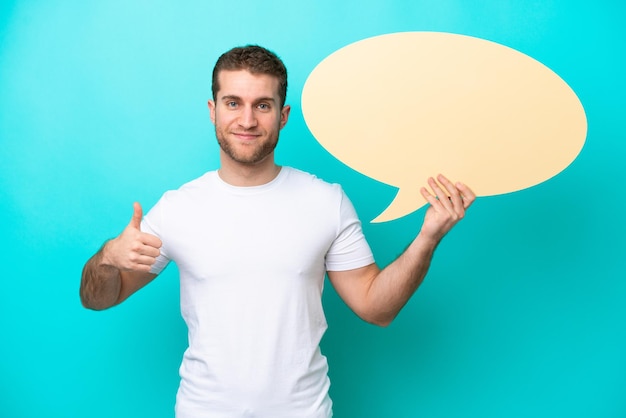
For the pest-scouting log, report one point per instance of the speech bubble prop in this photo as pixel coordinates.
(406, 106)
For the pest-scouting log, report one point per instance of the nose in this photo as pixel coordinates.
(247, 119)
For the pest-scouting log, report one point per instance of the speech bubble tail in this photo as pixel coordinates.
(405, 202)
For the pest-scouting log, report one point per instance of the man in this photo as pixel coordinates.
(253, 242)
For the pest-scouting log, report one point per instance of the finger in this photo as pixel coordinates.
(428, 196)
(467, 194)
(140, 265)
(455, 195)
(144, 260)
(142, 256)
(149, 250)
(135, 221)
(151, 240)
(442, 197)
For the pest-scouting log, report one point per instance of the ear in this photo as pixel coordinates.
(211, 104)
(284, 115)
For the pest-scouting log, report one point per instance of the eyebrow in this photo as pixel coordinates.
(237, 98)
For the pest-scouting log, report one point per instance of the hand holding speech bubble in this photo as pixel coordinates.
(406, 106)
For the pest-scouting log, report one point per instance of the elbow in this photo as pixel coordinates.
(88, 304)
(93, 303)
(96, 295)
(383, 323)
(382, 320)
(381, 316)
(94, 307)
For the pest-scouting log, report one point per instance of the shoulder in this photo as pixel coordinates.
(179, 203)
(201, 182)
(312, 194)
(193, 189)
(310, 182)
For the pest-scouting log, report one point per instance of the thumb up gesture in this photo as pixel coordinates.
(133, 250)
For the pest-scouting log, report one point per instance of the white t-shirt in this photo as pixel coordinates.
(252, 262)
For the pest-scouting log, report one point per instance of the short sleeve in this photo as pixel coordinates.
(152, 223)
(350, 250)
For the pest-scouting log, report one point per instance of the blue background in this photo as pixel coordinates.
(104, 102)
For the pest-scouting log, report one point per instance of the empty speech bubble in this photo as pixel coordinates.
(406, 106)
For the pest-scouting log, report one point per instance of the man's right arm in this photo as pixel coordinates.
(121, 267)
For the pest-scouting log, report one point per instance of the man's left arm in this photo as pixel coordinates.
(377, 296)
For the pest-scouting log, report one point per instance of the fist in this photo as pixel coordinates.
(133, 250)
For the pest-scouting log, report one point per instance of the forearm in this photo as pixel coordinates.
(100, 283)
(378, 296)
(391, 289)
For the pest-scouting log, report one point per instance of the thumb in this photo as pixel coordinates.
(135, 221)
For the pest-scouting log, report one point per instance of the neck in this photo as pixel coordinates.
(248, 175)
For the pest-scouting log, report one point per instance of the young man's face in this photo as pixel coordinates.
(247, 115)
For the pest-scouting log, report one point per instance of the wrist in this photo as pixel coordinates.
(427, 241)
(105, 254)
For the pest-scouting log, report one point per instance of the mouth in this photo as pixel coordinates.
(246, 136)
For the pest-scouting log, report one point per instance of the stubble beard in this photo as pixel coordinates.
(260, 152)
